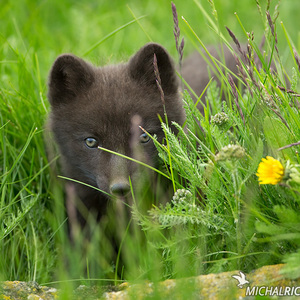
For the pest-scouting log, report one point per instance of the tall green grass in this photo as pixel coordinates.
(222, 220)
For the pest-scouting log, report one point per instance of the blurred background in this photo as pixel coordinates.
(49, 28)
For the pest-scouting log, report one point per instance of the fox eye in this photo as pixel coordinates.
(144, 138)
(91, 142)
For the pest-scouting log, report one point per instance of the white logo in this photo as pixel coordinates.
(241, 279)
(266, 290)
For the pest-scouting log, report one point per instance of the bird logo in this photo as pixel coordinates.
(241, 279)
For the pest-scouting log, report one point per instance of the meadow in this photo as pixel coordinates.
(220, 218)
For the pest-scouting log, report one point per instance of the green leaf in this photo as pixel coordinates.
(292, 267)
(287, 215)
(277, 135)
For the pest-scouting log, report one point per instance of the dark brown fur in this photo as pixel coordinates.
(87, 101)
(198, 69)
(197, 73)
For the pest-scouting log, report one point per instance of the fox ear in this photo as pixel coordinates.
(69, 77)
(142, 69)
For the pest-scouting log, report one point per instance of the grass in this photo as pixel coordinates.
(243, 225)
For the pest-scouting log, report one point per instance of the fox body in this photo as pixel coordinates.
(106, 107)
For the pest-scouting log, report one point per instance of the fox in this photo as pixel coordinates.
(116, 107)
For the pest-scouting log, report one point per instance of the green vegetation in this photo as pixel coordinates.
(220, 218)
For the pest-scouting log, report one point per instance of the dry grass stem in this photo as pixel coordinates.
(297, 58)
(272, 27)
(236, 97)
(179, 45)
(158, 80)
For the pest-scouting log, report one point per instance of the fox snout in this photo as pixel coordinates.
(120, 188)
(119, 177)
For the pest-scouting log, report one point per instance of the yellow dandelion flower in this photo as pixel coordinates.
(270, 171)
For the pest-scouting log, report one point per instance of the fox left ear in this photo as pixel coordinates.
(69, 76)
(142, 69)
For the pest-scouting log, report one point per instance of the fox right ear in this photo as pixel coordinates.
(142, 68)
(69, 76)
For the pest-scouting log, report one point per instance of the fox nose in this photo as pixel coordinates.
(120, 189)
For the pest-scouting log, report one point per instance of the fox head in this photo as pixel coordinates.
(94, 107)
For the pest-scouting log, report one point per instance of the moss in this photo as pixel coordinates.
(19, 290)
(212, 286)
